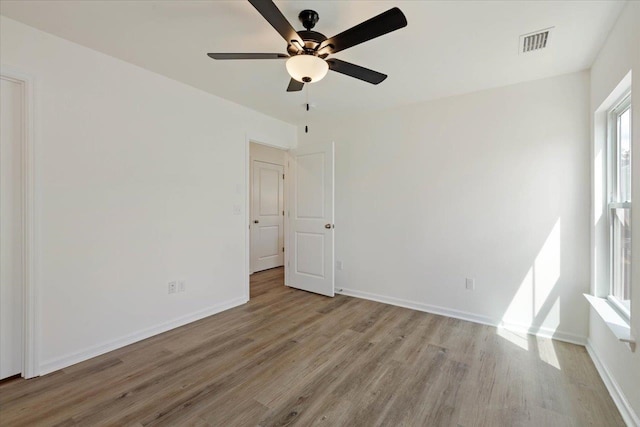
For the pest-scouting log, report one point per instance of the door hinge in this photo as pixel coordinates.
(282, 249)
(282, 213)
(282, 176)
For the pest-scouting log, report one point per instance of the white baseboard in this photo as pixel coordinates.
(471, 317)
(628, 414)
(88, 353)
(457, 314)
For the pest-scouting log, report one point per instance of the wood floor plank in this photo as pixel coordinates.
(290, 357)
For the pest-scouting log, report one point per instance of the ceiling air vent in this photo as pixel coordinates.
(535, 41)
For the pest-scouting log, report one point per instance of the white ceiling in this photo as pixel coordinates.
(448, 47)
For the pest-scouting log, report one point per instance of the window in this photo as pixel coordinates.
(619, 188)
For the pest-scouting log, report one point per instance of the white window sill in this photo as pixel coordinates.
(618, 324)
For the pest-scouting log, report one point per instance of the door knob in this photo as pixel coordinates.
(256, 221)
(327, 226)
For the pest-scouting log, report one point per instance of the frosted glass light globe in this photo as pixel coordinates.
(307, 68)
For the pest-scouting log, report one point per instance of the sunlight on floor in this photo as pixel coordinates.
(547, 352)
(517, 338)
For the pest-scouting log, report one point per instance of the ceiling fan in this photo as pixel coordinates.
(307, 49)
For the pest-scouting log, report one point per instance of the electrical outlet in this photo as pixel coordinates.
(182, 286)
(172, 287)
(471, 284)
(339, 265)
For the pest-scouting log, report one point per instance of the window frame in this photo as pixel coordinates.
(620, 107)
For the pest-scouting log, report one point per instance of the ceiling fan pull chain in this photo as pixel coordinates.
(306, 128)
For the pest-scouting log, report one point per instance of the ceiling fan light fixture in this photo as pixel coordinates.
(307, 68)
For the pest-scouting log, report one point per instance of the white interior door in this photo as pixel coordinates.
(11, 305)
(311, 232)
(267, 216)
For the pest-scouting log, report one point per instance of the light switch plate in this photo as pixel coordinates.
(471, 284)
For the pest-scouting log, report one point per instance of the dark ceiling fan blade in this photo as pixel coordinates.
(272, 14)
(356, 71)
(391, 20)
(295, 86)
(247, 55)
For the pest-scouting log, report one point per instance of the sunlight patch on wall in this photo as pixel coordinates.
(598, 189)
(520, 309)
(550, 316)
(546, 269)
(533, 304)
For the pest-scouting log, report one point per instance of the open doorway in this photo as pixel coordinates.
(18, 332)
(266, 209)
(11, 235)
(290, 215)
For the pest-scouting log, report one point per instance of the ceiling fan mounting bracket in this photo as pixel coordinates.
(309, 18)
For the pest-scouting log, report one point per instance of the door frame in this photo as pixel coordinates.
(247, 206)
(30, 287)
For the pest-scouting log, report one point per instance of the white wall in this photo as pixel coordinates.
(492, 185)
(137, 178)
(620, 54)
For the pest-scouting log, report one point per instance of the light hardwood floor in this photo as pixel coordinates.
(290, 357)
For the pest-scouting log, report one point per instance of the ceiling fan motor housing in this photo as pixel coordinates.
(312, 40)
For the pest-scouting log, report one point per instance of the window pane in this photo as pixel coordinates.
(621, 254)
(624, 157)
